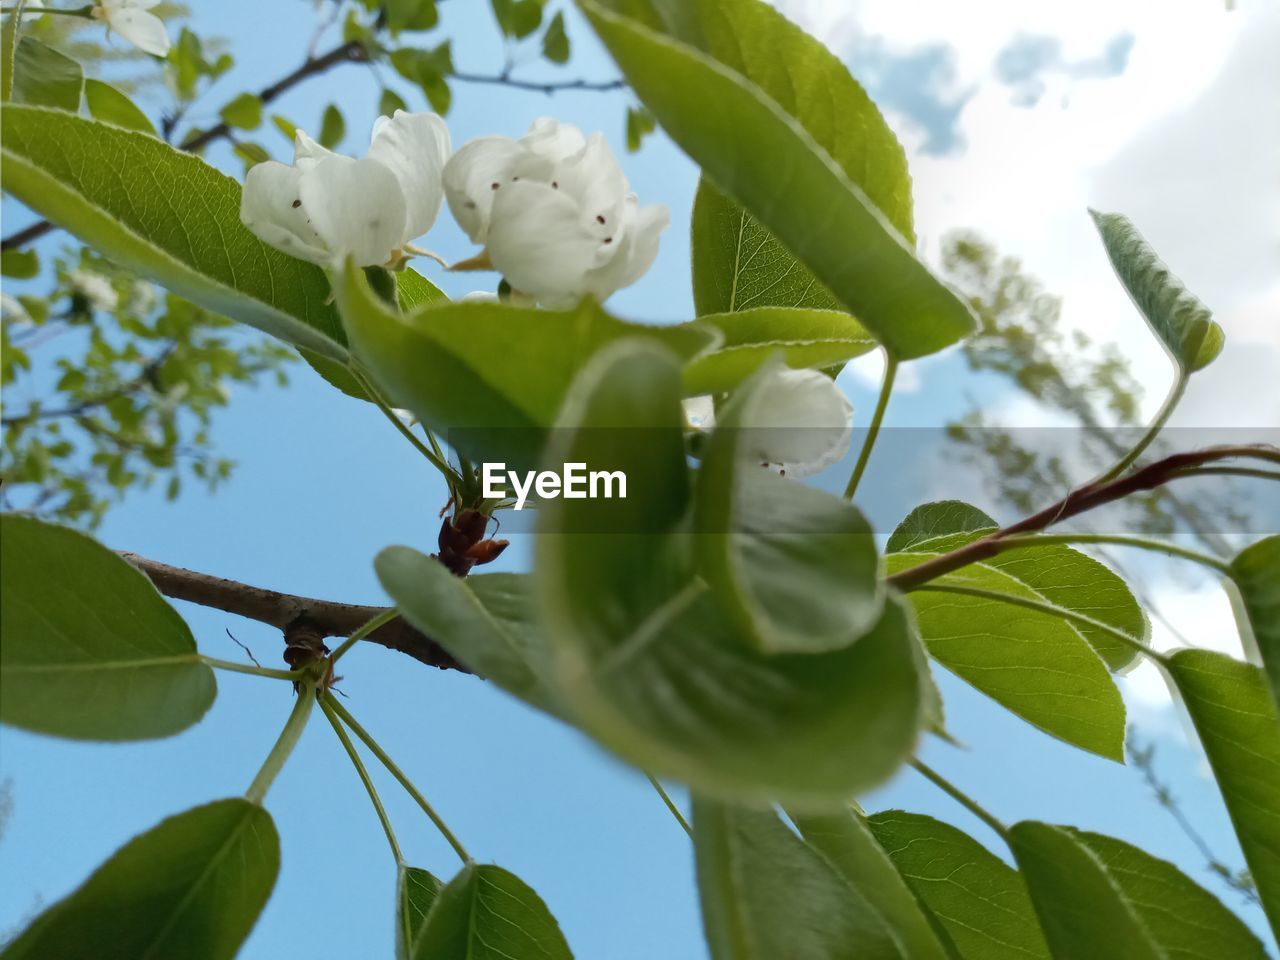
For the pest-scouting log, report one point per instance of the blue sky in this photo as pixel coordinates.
(323, 483)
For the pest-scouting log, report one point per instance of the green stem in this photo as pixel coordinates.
(364, 778)
(962, 798)
(84, 13)
(1142, 543)
(234, 667)
(284, 745)
(436, 461)
(396, 772)
(1043, 607)
(675, 811)
(873, 429)
(1230, 472)
(381, 620)
(1153, 431)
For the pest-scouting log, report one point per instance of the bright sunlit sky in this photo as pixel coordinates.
(1016, 117)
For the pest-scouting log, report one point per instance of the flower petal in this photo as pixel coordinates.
(270, 206)
(538, 242)
(593, 178)
(144, 30)
(469, 179)
(306, 152)
(415, 147)
(636, 251)
(805, 423)
(356, 206)
(552, 139)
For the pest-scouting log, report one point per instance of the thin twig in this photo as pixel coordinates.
(538, 86)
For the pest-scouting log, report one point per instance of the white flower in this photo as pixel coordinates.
(11, 309)
(95, 289)
(326, 206)
(553, 212)
(803, 423)
(131, 19)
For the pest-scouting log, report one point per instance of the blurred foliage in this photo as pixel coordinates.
(110, 385)
(1021, 337)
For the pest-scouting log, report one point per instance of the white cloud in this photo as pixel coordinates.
(1186, 142)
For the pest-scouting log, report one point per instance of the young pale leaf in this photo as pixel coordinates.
(796, 567)
(767, 895)
(1081, 908)
(244, 112)
(765, 159)
(99, 182)
(644, 658)
(440, 363)
(980, 901)
(1184, 325)
(109, 105)
(416, 892)
(804, 338)
(1035, 664)
(485, 912)
(1236, 718)
(1256, 571)
(332, 127)
(1063, 576)
(555, 42)
(487, 621)
(848, 844)
(1184, 919)
(91, 650)
(19, 264)
(191, 887)
(46, 78)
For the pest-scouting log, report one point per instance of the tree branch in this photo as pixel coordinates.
(297, 617)
(549, 88)
(350, 52)
(1089, 497)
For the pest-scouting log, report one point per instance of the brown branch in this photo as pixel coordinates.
(350, 52)
(302, 619)
(1089, 497)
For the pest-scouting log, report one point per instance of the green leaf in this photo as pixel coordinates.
(766, 895)
(1256, 571)
(428, 68)
(245, 112)
(108, 104)
(389, 102)
(980, 901)
(795, 567)
(488, 912)
(1034, 664)
(1184, 325)
(643, 657)
(768, 160)
(190, 887)
(555, 42)
(640, 124)
(1183, 918)
(848, 844)
(1061, 575)
(332, 127)
(440, 362)
(19, 264)
(416, 892)
(1239, 728)
(804, 338)
(411, 15)
(288, 129)
(44, 77)
(99, 182)
(487, 621)
(931, 521)
(1081, 908)
(91, 650)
